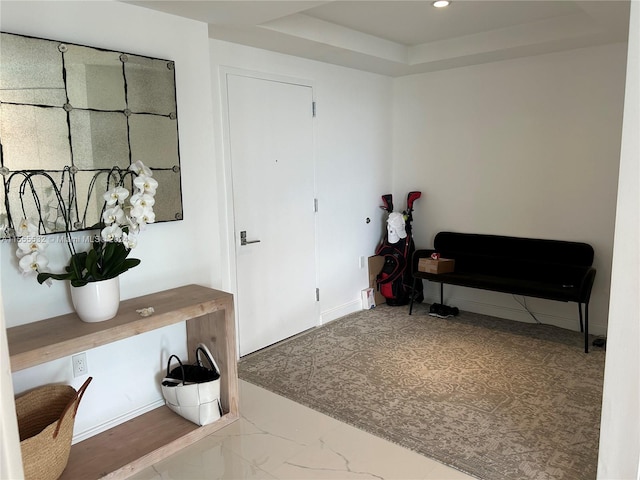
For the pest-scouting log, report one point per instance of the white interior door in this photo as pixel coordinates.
(271, 147)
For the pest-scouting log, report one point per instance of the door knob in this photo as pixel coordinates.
(243, 239)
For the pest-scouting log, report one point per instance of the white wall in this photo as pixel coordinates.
(354, 169)
(172, 254)
(353, 164)
(620, 430)
(526, 147)
(10, 453)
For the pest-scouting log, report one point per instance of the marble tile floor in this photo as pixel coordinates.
(276, 438)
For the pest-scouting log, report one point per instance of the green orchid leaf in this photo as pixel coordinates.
(79, 283)
(77, 265)
(123, 266)
(131, 262)
(108, 252)
(92, 265)
(116, 254)
(127, 264)
(43, 277)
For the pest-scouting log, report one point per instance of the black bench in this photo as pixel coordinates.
(549, 269)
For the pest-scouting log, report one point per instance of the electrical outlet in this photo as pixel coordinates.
(362, 261)
(79, 363)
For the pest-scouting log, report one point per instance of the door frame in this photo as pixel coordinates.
(229, 244)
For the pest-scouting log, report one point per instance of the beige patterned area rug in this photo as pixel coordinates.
(494, 398)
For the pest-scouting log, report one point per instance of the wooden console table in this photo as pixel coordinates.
(151, 437)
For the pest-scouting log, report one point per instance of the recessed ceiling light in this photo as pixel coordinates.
(441, 3)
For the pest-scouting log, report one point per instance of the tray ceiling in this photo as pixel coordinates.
(405, 37)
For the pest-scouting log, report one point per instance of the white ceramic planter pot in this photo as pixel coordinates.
(97, 301)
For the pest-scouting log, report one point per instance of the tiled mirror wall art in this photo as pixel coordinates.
(72, 119)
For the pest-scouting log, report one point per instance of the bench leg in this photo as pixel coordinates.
(413, 292)
(586, 324)
(586, 328)
(441, 293)
(580, 313)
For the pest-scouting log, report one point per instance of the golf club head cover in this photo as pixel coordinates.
(388, 202)
(412, 197)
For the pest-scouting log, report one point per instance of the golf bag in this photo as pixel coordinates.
(395, 280)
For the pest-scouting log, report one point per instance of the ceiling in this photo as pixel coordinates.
(401, 37)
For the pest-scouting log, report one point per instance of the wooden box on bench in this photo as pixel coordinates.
(432, 265)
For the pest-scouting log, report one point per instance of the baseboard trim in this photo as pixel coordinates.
(115, 422)
(340, 311)
(520, 315)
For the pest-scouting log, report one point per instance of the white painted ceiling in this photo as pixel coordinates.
(401, 37)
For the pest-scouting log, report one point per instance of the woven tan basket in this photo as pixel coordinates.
(45, 422)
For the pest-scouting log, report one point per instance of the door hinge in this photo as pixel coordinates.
(315, 205)
(313, 109)
(317, 294)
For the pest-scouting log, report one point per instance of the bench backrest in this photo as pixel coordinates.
(515, 256)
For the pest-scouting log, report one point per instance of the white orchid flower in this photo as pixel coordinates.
(129, 240)
(113, 215)
(115, 195)
(26, 228)
(143, 199)
(143, 215)
(4, 226)
(26, 248)
(140, 169)
(33, 262)
(133, 225)
(149, 217)
(112, 233)
(146, 184)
